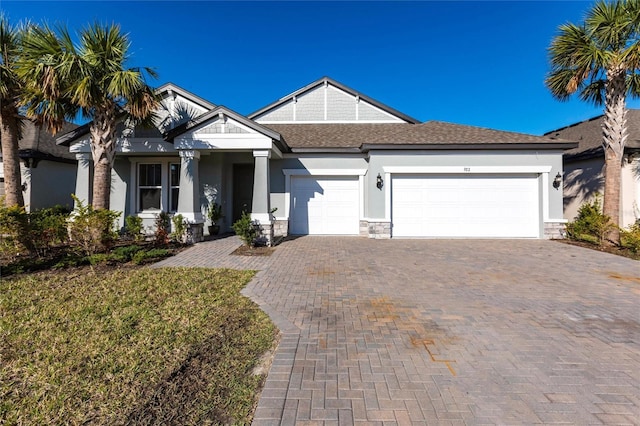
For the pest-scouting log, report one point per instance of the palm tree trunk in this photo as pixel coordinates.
(103, 150)
(614, 132)
(10, 159)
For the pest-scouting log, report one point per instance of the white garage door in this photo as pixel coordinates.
(324, 206)
(465, 206)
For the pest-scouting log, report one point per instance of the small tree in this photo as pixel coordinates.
(246, 229)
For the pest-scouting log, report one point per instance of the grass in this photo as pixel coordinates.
(130, 345)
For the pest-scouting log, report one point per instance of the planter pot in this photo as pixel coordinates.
(214, 229)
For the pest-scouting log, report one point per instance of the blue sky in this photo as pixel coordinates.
(478, 63)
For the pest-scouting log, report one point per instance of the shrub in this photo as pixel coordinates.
(92, 230)
(630, 238)
(246, 229)
(162, 229)
(179, 228)
(590, 224)
(144, 256)
(48, 228)
(15, 235)
(133, 227)
(125, 253)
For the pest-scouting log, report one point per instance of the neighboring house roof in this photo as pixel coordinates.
(588, 134)
(432, 134)
(68, 137)
(38, 143)
(325, 80)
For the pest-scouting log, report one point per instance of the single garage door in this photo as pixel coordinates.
(324, 205)
(477, 206)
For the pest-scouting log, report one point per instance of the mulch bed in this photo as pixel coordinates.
(253, 251)
(618, 251)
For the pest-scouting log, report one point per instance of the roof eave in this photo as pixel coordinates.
(470, 146)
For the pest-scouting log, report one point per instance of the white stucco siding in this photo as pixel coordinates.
(582, 181)
(630, 192)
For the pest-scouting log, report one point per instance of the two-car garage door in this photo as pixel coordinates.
(436, 206)
(492, 206)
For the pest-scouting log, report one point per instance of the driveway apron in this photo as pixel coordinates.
(443, 331)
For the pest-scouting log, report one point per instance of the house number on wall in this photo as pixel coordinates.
(467, 169)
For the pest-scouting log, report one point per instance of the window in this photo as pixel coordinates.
(174, 182)
(158, 185)
(149, 187)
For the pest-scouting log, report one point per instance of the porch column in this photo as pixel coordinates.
(189, 196)
(261, 204)
(189, 193)
(84, 178)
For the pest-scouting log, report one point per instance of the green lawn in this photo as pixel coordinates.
(130, 345)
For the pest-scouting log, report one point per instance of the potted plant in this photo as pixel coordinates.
(215, 215)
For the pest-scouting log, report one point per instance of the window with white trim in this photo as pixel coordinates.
(157, 186)
(149, 186)
(174, 183)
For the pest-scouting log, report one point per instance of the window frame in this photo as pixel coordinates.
(165, 185)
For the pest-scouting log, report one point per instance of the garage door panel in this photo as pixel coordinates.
(465, 206)
(324, 205)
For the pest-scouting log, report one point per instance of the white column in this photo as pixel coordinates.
(84, 178)
(261, 204)
(189, 194)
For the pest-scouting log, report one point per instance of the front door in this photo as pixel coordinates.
(242, 189)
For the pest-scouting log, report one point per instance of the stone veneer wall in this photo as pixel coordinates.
(195, 233)
(280, 228)
(375, 230)
(554, 230)
(265, 234)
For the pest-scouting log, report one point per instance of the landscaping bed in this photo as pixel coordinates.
(116, 345)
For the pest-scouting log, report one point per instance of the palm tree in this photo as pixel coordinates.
(90, 77)
(10, 119)
(599, 59)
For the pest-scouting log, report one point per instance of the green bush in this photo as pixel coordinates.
(162, 229)
(124, 254)
(590, 224)
(630, 238)
(92, 231)
(144, 256)
(133, 227)
(179, 228)
(48, 228)
(246, 229)
(15, 231)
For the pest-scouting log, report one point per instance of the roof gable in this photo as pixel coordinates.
(327, 101)
(177, 106)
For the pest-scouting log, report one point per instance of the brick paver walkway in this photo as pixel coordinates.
(444, 331)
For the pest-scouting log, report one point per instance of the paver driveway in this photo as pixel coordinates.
(444, 331)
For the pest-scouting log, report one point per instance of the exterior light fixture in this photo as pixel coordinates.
(379, 181)
(557, 181)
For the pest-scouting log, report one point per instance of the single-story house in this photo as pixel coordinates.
(329, 160)
(584, 166)
(48, 170)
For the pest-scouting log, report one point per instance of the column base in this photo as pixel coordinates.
(376, 229)
(555, 230)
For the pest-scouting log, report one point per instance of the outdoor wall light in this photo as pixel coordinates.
(557, 181)
(379, 181)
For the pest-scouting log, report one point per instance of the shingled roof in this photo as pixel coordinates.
(39, 143)
(434, 134)
(588, 134)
